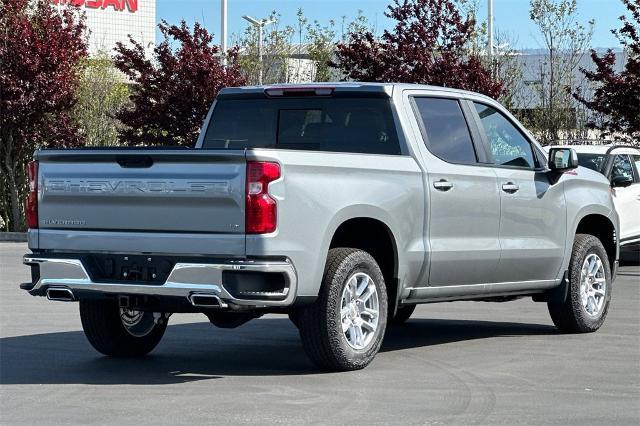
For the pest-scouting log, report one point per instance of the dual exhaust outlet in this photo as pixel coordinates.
(201, 300)
(206, 300)
(60, 293)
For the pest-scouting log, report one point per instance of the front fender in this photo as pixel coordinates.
(587, 193)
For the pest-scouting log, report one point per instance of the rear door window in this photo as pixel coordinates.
(445, 129)
(359, 125)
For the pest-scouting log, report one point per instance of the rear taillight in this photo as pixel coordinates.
(31, 207)
(261, 208)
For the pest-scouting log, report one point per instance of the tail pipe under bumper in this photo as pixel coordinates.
(62, 294)
(200, 283)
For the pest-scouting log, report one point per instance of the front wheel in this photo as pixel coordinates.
(589, 292)
(344, 328)
(121, 332)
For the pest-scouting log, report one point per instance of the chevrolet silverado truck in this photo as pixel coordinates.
(342, 205)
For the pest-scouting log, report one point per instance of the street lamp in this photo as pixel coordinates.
(260, 24)
(490, 28)
(223, 31)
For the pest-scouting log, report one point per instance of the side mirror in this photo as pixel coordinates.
(562, 159)
(621, 181)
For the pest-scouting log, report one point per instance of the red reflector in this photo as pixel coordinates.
(31, 207)
(261, 209)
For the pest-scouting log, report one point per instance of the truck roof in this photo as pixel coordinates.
(347, 87)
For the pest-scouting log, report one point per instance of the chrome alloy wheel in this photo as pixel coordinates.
(593, 285)
(137, 323)
(359, 310)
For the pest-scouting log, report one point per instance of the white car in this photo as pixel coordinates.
(619, 163)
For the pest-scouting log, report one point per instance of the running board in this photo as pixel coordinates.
(478, 291)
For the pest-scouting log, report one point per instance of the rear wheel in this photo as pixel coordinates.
(344, 328)
(117, 331)
(589, 292)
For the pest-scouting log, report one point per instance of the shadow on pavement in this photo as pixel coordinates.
(431, 332)
(198, 351)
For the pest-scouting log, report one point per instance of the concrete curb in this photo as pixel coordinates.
(17, 237)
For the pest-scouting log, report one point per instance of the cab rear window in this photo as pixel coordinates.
(359, 125)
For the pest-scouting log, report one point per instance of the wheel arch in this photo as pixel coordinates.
(375, 237)
(603, 228)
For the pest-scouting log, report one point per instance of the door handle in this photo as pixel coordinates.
(510, 187)
(442, 185)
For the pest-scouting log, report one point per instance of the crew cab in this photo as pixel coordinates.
(343, 205)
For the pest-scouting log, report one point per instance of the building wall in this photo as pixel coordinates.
(111, 21)
(531, 66)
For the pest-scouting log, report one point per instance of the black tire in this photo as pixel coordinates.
(403, 313)
(320, 324)
(572, 316)
(106, 332)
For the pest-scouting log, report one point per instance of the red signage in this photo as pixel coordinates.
(120, 5)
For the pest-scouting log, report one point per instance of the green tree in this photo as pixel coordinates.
(320, 47)
(276, 50)
(565, 41)
(503, 62)
(102, 93)
(288, 49)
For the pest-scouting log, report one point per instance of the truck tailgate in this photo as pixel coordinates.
(143, 191)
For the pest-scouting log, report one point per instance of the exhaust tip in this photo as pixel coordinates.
(61, 294)
(206, 300)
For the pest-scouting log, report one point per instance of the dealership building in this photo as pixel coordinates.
(112, 21)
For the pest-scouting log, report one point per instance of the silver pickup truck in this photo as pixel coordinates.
(342, 205)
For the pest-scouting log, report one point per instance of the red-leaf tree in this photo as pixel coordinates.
(427, 46)
(40, 49)
(617, 94)
(175, 88)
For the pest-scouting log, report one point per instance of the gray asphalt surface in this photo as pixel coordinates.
(452, 363)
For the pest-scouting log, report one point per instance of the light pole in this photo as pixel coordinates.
(223, 31)
(260, 24)
(490, 28)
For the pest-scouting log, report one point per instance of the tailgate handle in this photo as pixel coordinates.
(135, 161)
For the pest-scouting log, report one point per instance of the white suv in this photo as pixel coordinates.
(619, 163)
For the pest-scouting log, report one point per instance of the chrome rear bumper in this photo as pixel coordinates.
(184, 280)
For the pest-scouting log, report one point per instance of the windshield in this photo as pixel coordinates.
(362, 125)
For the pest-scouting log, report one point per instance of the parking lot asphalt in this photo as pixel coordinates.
(452, 363)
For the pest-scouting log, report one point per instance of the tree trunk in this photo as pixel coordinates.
(16, 217)
(17, 221)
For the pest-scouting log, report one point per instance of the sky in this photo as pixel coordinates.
(511, 17)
